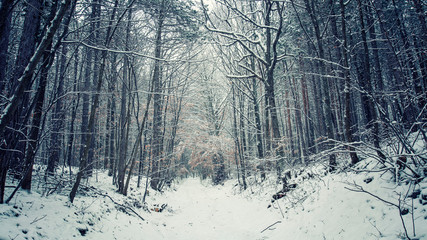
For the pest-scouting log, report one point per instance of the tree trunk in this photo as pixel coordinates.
(36, 124)
(348, 132)
(124, 119)
(112, 113)
(237, 149)
(157, 104)
(306, 111)
(243, 143)
(86, 88)
(143, 156)
(271, 61)
(298, 122)
(258, 135)
(291, 146)
(367, 92)
(27, 45)
(58, 118)
(5, 20)
(96, 64)
(378, 83)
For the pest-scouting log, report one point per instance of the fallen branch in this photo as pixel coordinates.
(121, 205)
(271, 226)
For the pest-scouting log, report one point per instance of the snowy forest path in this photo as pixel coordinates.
(201, 212)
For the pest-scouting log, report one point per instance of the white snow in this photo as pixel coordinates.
(319, 208)
(212, 212)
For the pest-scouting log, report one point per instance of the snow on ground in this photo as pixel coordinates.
(334, 212)
(319, 208)
(212, 212)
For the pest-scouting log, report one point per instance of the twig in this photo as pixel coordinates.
(374, 225)
(401, 219)
(271, 226)
(360, 189)
(12, 238)
(280, 209)
(413, 220)
(38, 219)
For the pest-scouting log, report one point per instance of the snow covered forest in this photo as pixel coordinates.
(213, 119)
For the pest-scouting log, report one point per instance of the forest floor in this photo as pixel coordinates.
(320, 207)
